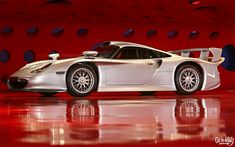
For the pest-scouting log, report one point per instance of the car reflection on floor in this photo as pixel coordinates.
(122, 121)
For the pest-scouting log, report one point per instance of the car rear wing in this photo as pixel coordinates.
(204, 53)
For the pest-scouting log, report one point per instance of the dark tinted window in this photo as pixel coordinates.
(106, 51)
(156, 54)
(149, 54)
(143, 53)
(139, 53)
(127, 53)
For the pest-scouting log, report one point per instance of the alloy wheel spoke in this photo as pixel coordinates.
(82, 80)
(189, 79)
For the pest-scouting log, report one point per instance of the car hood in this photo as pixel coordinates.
(42, 63)
(30, 69)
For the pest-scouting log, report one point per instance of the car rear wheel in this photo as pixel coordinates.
(188, 79)
(48, 94)
(81, 80)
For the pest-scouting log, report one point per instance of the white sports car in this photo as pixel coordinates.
(122, 66)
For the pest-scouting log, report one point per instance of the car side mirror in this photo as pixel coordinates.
(89, 54)
(54, 56)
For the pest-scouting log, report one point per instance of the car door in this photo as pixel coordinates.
(128, 69)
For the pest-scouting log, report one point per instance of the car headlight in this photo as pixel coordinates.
(39, 70)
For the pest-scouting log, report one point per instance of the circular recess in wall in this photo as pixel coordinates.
(7, 30)
(228, 53)
(151, 33)
(129, 33)
(29, 56)
(82, 32)
(172, 34)
(4, 56)
(193, 35)
(33, 31)
(214, 35)
(57, 31)
(4, 79)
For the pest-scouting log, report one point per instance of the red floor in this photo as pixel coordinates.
(107, 120)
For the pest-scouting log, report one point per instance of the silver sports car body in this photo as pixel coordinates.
(122, 66)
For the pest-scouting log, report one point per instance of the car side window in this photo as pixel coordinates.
(156, 54)
(127, 53)
(143, 53)
(149, 54)
(139, 53)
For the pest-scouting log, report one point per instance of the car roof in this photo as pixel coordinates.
(122, 44)
(126, 44)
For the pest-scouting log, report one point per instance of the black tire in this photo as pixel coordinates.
(76, 84)
(188, 79)
(48, 94)
(147, 93)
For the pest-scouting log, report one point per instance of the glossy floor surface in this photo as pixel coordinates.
(31, 120)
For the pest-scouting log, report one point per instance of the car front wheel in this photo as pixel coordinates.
(81, 80)
(188, 79)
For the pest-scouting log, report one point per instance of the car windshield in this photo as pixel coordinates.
(106, 51)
